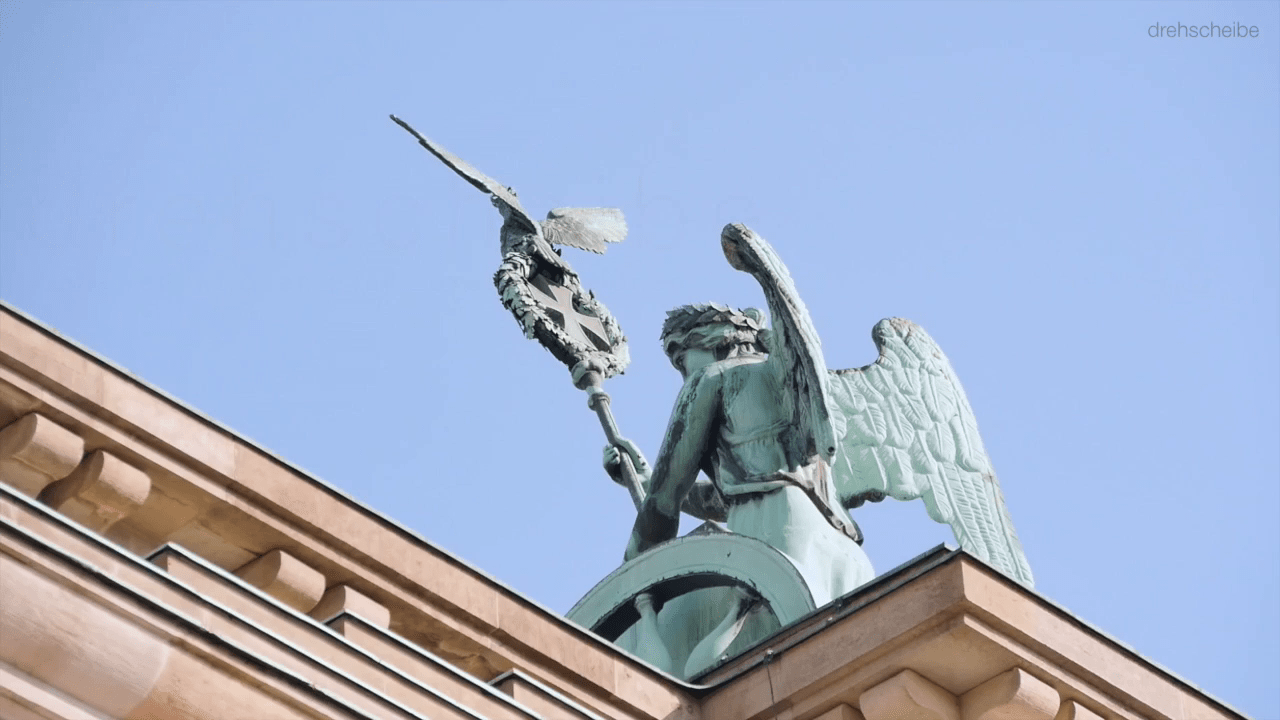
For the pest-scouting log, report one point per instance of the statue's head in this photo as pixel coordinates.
(718, 329)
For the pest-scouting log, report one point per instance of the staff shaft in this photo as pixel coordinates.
(598, 400)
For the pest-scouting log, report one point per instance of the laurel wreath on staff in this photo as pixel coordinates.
(515, 289)
(527, 254)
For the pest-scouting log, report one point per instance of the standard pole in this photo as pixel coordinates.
(598, 400)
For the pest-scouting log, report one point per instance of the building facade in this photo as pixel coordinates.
(155, 565)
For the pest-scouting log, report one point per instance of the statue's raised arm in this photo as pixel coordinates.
(900, 427)
(795, 352)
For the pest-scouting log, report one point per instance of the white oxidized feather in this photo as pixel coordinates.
(585, 228)
(929, 447)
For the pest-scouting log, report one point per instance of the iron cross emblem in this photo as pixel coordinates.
(557, 302)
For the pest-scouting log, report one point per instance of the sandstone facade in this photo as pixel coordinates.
(155, 565)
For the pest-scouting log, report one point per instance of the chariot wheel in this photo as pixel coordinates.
(689, 563)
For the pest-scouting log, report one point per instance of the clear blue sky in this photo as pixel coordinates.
(1086, 218)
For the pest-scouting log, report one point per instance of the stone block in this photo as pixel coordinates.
(285, 578)
(35, 451)
(72, 644)
(100, 492)
(840, 712)
(1072, 710)
(908, 696)
(344, 598)
(1013, 695)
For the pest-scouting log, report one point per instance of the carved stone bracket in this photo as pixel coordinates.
(100, 492)
(908, 696)
(840, 712)
(35, 451)
(1014, 695)
(285, 578)
(1072, 710)
(343, 598)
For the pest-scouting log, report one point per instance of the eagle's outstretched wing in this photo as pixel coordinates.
(794, 348)
(475, 177)
(908, 432)
(584, 228)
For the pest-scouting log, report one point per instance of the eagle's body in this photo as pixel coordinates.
(582, 228)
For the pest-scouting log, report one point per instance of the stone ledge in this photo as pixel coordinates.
(238, 502)
(947, 626)
(362, 662)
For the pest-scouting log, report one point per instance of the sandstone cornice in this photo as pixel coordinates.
(294, 601)
(140, 645)
(233, 503)
(946, 637)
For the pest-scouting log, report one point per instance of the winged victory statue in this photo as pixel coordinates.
(787, 447)
(765, 444)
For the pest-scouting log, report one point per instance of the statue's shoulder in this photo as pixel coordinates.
(752, 362)
(715, 372)
(737, 366)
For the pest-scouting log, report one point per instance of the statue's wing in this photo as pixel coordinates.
(794, 348)
(908, 432)
(470, 174)
(584, 228)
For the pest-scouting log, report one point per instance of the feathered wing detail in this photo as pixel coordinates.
(585, 228)
(908, 432)
(469, 173)
(794, 348)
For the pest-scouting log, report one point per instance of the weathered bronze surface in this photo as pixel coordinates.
(787, 447)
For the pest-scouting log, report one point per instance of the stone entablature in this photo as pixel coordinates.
(155, 564)
(246, 512)
(946, 637)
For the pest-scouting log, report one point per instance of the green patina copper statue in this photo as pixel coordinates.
(788, 442)
(786, 446)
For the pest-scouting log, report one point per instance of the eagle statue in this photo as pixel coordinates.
(583, 228)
